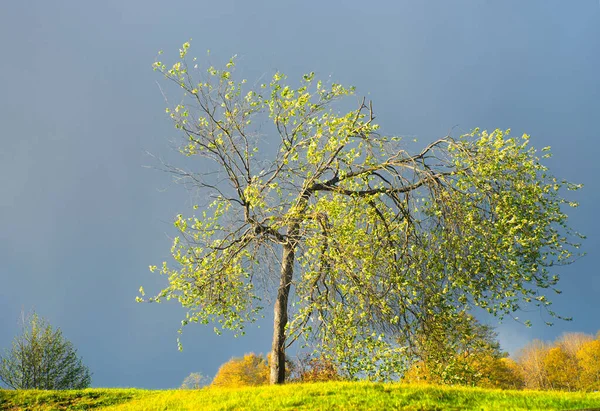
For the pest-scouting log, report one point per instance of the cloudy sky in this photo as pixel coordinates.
(82, 217)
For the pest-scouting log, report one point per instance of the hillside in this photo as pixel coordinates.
(322, 396)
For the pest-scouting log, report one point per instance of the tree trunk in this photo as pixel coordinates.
(281, 317)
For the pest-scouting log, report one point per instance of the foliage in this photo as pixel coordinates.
(463, 352)
(249, 370)
(194, 381)
(562, 369)
(483, 371)
(572, 362)
(311, 368)
(375, 241)
(588, 357)
(419, 373)
(571, 343)
(42, 358)
(502, 373)
(317, 396)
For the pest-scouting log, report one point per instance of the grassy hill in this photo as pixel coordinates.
(322, 396)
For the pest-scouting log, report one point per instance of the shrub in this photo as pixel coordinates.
(316, 369)
(249, 370)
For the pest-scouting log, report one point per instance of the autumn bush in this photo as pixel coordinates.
(249, 370)
(316, 368)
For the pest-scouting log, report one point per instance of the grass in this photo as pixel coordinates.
(320, 396)
(93, 398)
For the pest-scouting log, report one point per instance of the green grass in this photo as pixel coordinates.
(93, 398)
(321, 396)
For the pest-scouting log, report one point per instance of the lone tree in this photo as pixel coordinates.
(371, 241)
(41, 358)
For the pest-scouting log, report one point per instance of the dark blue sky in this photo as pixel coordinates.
(81, 218)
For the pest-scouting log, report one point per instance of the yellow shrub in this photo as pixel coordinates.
(250, 370)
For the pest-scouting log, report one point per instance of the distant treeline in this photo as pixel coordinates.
(571, 363)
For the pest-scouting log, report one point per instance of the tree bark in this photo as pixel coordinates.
(280, 318)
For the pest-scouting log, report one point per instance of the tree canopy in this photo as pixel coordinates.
(355, 239)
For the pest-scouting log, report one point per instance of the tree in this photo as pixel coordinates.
(562, 369)
(569, 363)
(531, 360)
(41, 358)
(194, 381)
(250, 370)
(374, 241)
(562, 365)
(588, 357)
(571, 343)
